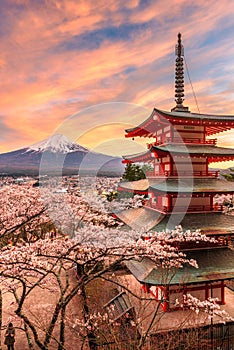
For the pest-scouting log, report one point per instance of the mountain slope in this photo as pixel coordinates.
(57, 155)
(57, 143)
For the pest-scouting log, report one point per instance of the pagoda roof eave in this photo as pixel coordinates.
(214, 265)
(132, 186)
(138, 157)
(147, 127)
(214, 123)
(211, 152)
(211, 186)
(224, 118)
(186, 186)
(207, 223)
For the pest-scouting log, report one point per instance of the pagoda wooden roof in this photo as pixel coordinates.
(214, 265)
(183, 185)
(138, 157)
(213, 223)
(140, 185)
(213, 123)
(213, 153)
(194, 186)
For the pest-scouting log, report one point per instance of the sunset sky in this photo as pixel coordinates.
(69, 60)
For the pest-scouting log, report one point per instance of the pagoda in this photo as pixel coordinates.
(182, 190)
(180, 180)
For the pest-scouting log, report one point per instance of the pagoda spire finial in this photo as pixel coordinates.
(179, 77)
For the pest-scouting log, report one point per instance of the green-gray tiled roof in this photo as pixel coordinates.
(207, 222)
(214, 265)
(194, 185)
(201, 150)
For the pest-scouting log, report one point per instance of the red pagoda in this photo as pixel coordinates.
(183, 190)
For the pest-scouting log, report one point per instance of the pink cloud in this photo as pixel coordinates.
(42, 83)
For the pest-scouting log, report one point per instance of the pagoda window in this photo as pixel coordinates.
(167, 128)
(159, 201)
(156, 169)
(211, 202)
(215, 291)
(165, 201)
(167, 167)
(166, 159)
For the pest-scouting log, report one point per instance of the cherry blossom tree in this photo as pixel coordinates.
(22, 214)
(97, 246)
(49, 265)
(27, 213)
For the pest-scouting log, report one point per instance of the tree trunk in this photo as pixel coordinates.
(90, 335)
(62, 329)
(29, 339)
(0, 318)
(92, 340)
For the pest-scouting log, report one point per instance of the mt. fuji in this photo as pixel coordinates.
(57, 143)
(54, 153)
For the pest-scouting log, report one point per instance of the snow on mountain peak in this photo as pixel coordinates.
(57, 143)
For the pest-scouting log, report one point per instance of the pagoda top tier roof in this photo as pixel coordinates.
(213, 123)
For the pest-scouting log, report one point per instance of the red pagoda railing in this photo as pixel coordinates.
(183, 209)
(210, 173)
(181, 140)
(193, 140)
(197, 208)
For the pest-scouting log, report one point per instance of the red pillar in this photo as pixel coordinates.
(171, 166)
(166, 304)
(207, 287)
(169, 197)
(222, 292)
(211, 202)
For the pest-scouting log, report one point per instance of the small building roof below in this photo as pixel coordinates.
(214, 265)
(209, 223)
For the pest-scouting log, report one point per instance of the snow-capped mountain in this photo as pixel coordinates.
(57, 143)
(54, 153)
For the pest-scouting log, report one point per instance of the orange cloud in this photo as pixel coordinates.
(49, 69)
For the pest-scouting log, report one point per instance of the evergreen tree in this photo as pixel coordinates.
(133, 172)
(230, 176)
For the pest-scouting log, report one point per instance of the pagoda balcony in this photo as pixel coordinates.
(184, 173)
(183, 209)
(196, 141)
(220, 242)
(180, 140)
